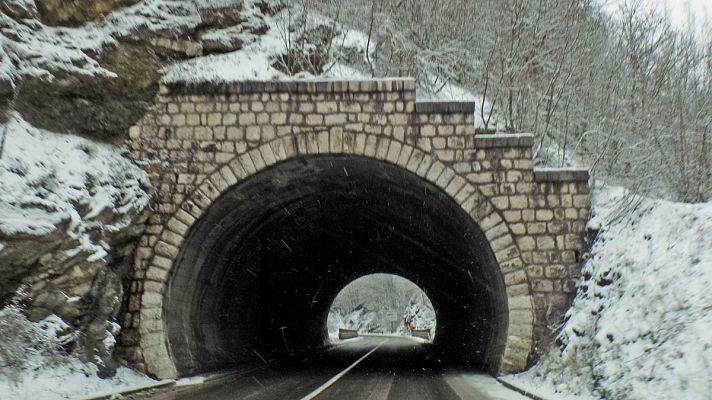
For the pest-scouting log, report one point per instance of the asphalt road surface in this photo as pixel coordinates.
(366, 368)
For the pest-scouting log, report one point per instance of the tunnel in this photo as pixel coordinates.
(258, 271)
(382, 304)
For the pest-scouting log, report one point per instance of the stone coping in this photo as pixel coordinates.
(561, 174)
(295, 86)
(504, 140)
(445, 107)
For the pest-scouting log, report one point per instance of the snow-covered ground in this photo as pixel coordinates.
(33, 365)
(255, 60)
(640, 325)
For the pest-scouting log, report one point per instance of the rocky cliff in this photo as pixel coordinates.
(74, 75)
(92, 66)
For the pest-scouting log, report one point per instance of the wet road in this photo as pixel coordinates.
(367, 368)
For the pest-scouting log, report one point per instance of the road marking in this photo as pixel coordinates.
(382, 389)
(338, 376)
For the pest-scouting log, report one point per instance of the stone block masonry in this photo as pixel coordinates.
(202, 138)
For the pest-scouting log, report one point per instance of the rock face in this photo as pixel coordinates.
(19, 9)
(49, 277)
(98, 106)
(77, 12)
(114, 65)
(89, 67)
(70, 215)
(7, 93)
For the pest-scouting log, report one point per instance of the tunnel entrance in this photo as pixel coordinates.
(258, 271)
(382, 304)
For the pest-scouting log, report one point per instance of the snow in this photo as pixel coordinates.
(48, 178)
(541, 388)
(640, 324)
(254, 61)
(47, 373)
(365, 303)
(480, 386)
(71, 380)
(44, 51)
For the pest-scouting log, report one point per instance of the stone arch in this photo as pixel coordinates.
(337, 142)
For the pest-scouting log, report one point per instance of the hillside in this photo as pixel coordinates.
(639, 326)
(627, 98)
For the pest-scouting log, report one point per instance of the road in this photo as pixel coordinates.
(366, 368)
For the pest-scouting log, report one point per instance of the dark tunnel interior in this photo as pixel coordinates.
(259, 270)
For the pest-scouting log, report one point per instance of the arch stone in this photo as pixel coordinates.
(215, 137)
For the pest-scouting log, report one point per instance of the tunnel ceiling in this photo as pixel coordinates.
(259, 270)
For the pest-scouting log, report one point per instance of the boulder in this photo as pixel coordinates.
(77, 12)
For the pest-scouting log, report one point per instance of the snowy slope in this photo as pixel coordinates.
(40, 50)
(48, 178)
(640, 325)
(35, 368)
(255, 61)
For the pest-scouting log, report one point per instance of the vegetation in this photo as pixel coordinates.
(628, 95)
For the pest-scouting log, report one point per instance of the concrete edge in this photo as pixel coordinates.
(561, 175)
(504, 140)
(178, 383)
(296, 86)
(128, 390)
(519, 389)
(445, 107)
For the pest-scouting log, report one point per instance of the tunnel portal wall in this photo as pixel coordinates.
(201, 139)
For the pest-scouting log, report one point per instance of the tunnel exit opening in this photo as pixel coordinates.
(258, 272)
(382, 304)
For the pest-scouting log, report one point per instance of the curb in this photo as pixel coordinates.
(519, 389)
(128, 390)
(179, 383)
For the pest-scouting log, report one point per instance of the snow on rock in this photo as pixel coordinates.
(359, 319)
(255, 61)
(640, 325)
(48, 178)
(35, 366)
(70, 208)
(99, 78)
(41, 50)
(365, 305)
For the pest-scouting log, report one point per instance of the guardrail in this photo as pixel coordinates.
(347, 333)
(422, 333)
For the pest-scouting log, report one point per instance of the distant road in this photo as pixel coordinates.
(367, 368)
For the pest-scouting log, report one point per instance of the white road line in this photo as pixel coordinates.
(382, 389)
(338, 376)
